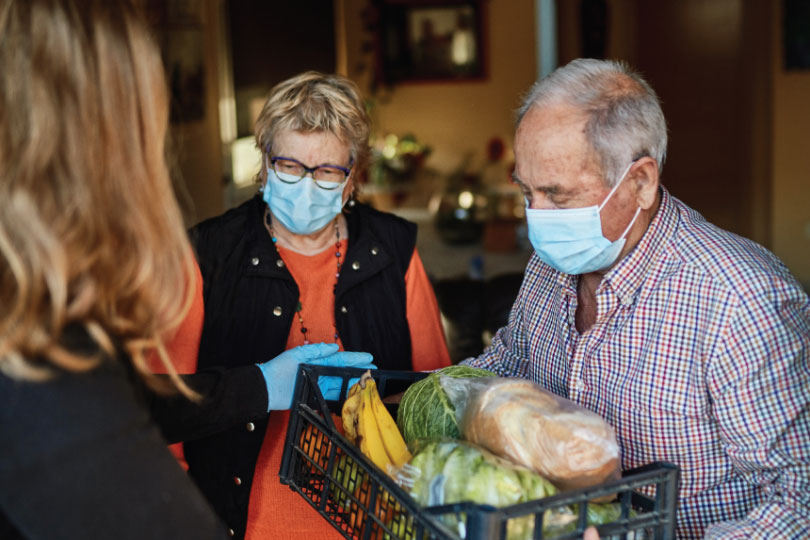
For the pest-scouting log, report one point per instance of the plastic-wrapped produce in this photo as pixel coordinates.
(524, 423)
(425, 411)
(452, 471)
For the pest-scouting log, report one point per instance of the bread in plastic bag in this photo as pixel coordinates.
(524, 423)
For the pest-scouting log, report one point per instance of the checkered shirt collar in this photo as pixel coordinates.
(627, 277)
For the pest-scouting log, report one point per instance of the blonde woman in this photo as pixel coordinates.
(302, 262)
(95, 270)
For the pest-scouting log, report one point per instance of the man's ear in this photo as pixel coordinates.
(645, 181)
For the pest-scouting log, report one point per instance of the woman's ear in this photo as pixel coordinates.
(348, 191)
(644, 176)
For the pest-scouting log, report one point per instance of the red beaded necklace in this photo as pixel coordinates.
(338, 254)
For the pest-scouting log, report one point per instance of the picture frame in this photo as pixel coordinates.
(430, 41)
(796, 35)
(179, 30)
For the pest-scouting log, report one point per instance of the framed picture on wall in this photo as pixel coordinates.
(796, 34)
(423, 40)
(179, 26)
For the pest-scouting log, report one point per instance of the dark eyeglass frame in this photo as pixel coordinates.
(311, 170)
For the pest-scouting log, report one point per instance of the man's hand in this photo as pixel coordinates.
(590, 534)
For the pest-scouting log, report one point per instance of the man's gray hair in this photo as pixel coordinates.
(625, 117)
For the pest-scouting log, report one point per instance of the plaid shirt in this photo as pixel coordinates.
(700, 356)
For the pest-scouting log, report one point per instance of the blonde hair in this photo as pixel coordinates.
(313, 101)
(90, 232)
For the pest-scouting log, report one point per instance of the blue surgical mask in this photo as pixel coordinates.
(303, 207)
(571, 239)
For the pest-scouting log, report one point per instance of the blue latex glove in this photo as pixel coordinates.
(280, 372)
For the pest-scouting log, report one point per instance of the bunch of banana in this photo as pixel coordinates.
(369, 425)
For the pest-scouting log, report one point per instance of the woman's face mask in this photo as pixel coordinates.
(302, 207)
(571, 239)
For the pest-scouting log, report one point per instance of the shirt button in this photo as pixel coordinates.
(250, 426)
(374, 251)
(237, 480)
(279, 263)
(277, 311)
(627, 301)
(580, 385)
(343, 309)
(254, 261)
(355, 265)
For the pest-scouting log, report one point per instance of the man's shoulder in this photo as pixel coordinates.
(540, 279)
(730, 260)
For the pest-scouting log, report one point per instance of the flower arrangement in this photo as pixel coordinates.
(394, 159)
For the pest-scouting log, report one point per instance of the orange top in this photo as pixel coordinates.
(184, 346)
(275, 511)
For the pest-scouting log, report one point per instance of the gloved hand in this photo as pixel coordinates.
(280, 372)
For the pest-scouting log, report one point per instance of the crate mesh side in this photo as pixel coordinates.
(355, 496)
(345, 494)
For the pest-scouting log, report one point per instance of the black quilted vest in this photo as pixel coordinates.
(250, 300)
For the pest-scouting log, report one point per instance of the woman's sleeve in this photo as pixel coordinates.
(229, 397)
(428, 345)
(80, 458)
(184, 346)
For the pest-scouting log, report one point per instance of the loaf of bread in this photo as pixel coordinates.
(564, 442)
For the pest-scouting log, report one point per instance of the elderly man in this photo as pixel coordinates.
(692, 342)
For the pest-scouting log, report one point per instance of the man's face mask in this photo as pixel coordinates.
(302, 207)
(571, 239)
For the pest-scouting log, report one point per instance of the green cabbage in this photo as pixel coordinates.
(454, 471)
(426, 412)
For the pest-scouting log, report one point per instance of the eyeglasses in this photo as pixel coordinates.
(292, 171)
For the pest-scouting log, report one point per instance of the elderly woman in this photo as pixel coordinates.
(303, 262)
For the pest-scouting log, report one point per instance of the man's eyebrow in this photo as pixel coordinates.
(553, 189)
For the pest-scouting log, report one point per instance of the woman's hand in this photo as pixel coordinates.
(280, 372)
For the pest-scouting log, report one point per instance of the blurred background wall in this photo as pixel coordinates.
(739, 119)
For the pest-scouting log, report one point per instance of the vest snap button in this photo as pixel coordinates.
(279, 263)
(254, 261)
(343, 309)
(277, 311)
(355, 265)
(374, 251)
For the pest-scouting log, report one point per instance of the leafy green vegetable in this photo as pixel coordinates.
(425, 410)
(603, 513)
(598, 514)
(455, 471)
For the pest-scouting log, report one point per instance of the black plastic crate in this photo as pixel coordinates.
(363, 503)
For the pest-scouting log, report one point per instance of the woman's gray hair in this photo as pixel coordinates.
(313, 101)
(625, 118)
